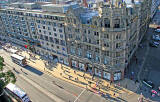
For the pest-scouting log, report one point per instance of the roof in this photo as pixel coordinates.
(16, 90)
(17, 56)
(13, 50)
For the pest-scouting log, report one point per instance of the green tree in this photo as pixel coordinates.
(5, 77)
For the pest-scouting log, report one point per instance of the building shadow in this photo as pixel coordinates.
(33, 70)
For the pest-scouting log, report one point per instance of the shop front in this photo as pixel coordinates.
(89, 68)
(81, 66)
(107, 75)
(117, 76)
(98, 72)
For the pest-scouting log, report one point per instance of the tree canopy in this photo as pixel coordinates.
(5, 77)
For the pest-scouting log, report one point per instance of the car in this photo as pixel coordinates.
(148, 83)
(151, 44)
(154, 42)
(157, 30)
(156, 37)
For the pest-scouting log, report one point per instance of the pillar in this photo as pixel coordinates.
(112, 77)
(122, 74)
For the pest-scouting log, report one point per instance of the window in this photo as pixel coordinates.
(55, 34)
(50, 39)
(117, 23)
(74, 63)
(77, 30)
(106, 23)
(52, 45)
(56, 40)
(46, 38)
(39, 26)
(43, 27)
(105, 61)
(97, 59)
(106, 36)
(106, 53)
(118, 36)
(72, 51)
(57, 47)
(89, 55)
(54, 24)
(95, 23)
(60, 30)
(106, 44)
(89, 32)
(118, 45)
(70, 35)
(118, 54)
(79, 52)
(97, 50)
(74, 21)
(63, 49)
(96, 33)
(54, 29)
(97, 42)
(81, 66)
(49, 28)
(44, 32)
(61, 36)
(50, 33)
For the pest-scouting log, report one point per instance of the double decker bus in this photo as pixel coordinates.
(18, 59)
(16, 93)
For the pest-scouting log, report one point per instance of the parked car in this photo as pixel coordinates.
(148, 83)
(157, 30)
(151, 44)
(156, 37)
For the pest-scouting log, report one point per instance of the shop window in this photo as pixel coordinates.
(81, 66)
(74, 63)
(107, 75)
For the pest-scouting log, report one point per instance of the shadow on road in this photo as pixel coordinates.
(33, 70)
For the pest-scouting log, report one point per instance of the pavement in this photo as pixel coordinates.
(84, 80)
(28, 78)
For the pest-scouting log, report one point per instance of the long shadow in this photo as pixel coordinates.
(33, 70)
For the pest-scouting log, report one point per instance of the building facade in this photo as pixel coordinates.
(102, 42)
(42, 31)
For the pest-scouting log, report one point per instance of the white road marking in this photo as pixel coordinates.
(79, 95)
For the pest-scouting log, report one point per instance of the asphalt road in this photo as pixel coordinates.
(61, 89)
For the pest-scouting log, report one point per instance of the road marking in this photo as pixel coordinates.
(55, 98)
(79, 95)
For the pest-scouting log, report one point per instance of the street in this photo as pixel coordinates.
(147, 65)
(61, 89)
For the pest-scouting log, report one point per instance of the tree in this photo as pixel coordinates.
(5, 77)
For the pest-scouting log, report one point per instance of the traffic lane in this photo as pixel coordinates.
(34, 94)
(88, 96)
(57, 89)
(153, 65)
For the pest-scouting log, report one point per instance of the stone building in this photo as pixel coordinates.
(99, 40)
(41, 30)
(102, 41)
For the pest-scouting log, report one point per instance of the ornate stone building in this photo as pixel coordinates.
(102, 41)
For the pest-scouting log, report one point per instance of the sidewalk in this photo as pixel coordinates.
(84, 80)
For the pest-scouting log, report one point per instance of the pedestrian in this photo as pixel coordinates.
(114, 94)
